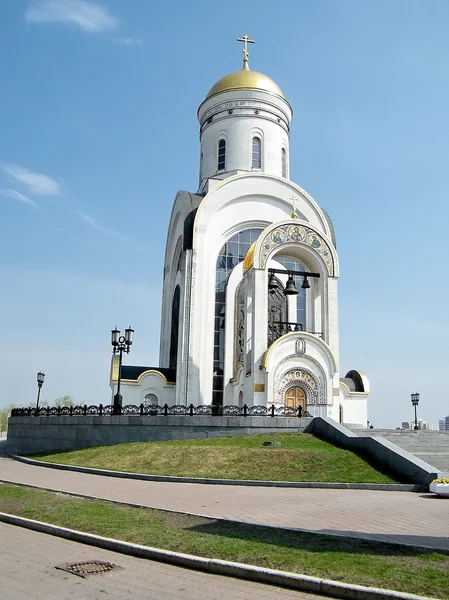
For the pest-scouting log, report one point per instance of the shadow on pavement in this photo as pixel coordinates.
(351, 542)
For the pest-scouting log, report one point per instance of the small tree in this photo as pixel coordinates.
(5, 413)
(65, 400)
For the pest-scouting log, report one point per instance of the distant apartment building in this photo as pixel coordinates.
(444, 424)
(422, 425)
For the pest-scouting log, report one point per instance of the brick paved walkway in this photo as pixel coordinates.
(27, 570)
(388, 516)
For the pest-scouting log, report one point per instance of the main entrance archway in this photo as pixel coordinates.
(295, 396)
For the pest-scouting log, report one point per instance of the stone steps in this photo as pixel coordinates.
(430, 446)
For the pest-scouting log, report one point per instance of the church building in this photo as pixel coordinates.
(250, 302)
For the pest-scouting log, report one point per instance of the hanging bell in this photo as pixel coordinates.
(305, 284)
(290, 288)
(272, 283)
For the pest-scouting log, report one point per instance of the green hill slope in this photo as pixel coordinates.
(299, 457)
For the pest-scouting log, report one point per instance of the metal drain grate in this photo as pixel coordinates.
(92, 567)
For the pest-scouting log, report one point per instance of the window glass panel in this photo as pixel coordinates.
(243, 236)
(233, 248)
(221, 155)
(256, 153)
(284, 163)
(254, 234)
(243, 249)
(232, 253)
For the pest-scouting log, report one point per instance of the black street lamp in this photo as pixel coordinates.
(40, 382)
(415, 400)
(120, 344)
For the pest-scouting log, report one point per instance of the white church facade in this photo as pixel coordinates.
(250, 303)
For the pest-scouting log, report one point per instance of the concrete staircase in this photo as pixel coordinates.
(430, 446)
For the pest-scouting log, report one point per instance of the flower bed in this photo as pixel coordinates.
(440, 487)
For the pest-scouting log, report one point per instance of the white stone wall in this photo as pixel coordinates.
(354, 406)
(134, 392)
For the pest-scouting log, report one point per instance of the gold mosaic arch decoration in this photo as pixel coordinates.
(302, 234)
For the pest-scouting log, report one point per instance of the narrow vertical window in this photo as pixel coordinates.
(221, 155)
(174, 328)
(257, 153)
(284, 163)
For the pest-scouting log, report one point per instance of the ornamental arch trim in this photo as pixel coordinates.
(304, 379)
(299, 234)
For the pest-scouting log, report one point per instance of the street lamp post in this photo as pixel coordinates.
(415, 400)
(120, 344)
(40, 382)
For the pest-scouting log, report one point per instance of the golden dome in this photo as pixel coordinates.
(245, 79)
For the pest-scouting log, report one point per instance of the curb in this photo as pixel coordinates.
(314, 585)
(385, 487)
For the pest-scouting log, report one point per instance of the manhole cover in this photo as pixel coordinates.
(92, 567)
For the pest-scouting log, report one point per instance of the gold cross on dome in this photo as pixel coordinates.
(293, 199)
(245, 39)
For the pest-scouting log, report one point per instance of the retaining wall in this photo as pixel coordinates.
(30, 435)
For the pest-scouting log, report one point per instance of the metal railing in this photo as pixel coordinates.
(212, 410)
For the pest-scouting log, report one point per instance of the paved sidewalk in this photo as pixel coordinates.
(386, 516)
(27, 570)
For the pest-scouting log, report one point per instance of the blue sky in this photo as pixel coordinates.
(98, 131)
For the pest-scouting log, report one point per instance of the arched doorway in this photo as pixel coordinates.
(295, 396)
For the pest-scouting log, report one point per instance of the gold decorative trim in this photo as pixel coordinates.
(155, 371)
(259, 387)
(249, 258)
(114, 368)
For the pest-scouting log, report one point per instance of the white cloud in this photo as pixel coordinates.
(84, 14)
(127, 41)
(35, 182)
(91, 221)
(18, 196)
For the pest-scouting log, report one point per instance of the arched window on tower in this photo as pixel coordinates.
(284, 163)
(221, 164)
(256, 162)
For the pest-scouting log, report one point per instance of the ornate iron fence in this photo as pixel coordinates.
(212, 410)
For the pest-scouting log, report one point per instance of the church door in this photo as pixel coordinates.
(294, 397)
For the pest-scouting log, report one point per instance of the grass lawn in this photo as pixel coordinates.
(387, 566)
(300, 457)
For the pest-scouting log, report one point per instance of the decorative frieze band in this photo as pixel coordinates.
(296, 233)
